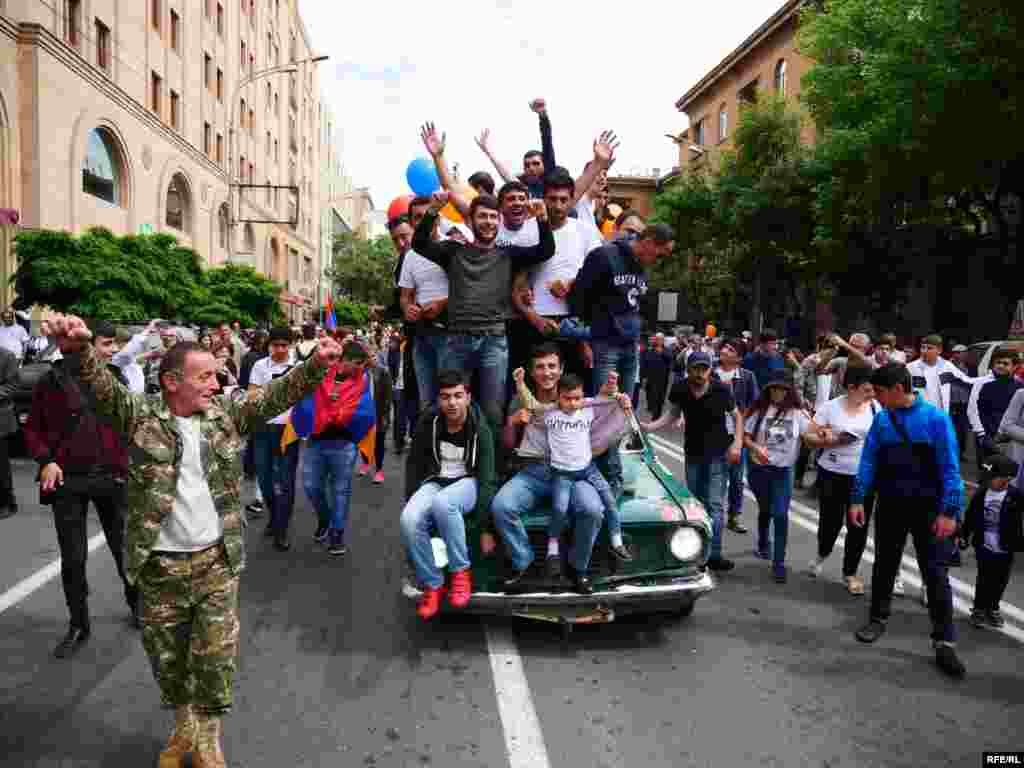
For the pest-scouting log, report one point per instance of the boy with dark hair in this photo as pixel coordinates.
(993, 524)
(990, 398)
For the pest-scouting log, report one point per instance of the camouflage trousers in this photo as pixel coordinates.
(190, 627)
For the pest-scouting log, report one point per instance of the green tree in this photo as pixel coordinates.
(363, 270)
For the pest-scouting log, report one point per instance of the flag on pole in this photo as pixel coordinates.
(347, 404)
(332, 321)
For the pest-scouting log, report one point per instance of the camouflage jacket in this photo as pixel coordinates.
(155, 450)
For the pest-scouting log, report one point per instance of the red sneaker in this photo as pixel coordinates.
(364, 469)
(461, 589)
(430, 603)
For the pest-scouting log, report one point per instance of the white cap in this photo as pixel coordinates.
(959, 348)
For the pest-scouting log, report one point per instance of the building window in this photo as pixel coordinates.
(780, 77)
(698, 133)
(175, 107)
(220, 149)
(156, 15)
(268, 97)
(277, 151)
(175, 31)
(102, 169)
(207, 140)
(252, 172)
(220, 20)
(156, 84)
(178, 204)
(241, 168)
(72, 22)
(220, 84)
(222, 226)
(723, 123)
(277, 105)
(249, 238)
(242, 57)
(207, 72)
(268, 193)
(241, 113)
(252, 64)
(102, 46)
(252, 121)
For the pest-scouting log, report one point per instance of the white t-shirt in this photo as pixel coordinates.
(453, 458)
(569, 438)
(193, 523)
(585, 216)
(780, 436)
(933, 387)
(264, 371)
(843, 459)
(993, 506)
(526, 236)
(727, 377)
(13, 338)
(572, 244)
(424, 276)
(823, 391)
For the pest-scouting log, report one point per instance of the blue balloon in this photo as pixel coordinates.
(422, 176)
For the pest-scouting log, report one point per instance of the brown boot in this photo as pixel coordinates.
(208, 752)
(182, 741)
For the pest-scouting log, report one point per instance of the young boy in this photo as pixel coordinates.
(994, 521)
(570, 454)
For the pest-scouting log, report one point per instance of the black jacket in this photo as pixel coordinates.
(1011, 527)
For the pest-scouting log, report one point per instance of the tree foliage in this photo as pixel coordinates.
(136, 277)
(363, 270)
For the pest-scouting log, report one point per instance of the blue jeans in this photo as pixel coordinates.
(488, 356)
(573, 328)
(561, 489)
(428, 352)
(528, 489)
(706, 481)
(438, 507)
(773, 489)
(734, 485)
(275, 472)
(621, 358)
(327, 479)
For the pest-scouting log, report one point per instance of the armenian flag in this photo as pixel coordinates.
(347, 403)
(331, 322)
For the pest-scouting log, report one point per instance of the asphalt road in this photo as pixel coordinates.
(335, 669)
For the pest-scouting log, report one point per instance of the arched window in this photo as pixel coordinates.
(249, 239)
(179, 204)
(222, 226)
(103, 169)
(780, 77)
(723, 123)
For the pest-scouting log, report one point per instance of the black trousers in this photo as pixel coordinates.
(896, 518)
(958, 415)
(993, 576)
(69, 514)
(6, 479)
(834, 491)
(655, 392)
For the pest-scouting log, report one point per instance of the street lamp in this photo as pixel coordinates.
(278, 70)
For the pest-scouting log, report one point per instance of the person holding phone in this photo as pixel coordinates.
(838, 429)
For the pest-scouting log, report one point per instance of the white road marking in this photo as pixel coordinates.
(524, 740)
(962, 591)
(30, 584)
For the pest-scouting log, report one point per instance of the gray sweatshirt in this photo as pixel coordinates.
(480, 281)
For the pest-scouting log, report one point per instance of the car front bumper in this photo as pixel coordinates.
(668, 595)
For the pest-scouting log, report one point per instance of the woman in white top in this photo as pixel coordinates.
(839, 429)
(773, 430)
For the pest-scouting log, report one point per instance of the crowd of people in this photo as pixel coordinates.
(511, 361)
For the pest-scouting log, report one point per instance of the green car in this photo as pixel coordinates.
(664, 526)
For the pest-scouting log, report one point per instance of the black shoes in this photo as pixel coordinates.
(73, 640)
(621, 553)
(553, 566)
(255, 509)
(281, 541)
(337, 544)
(583, 584)
(321, 533)
(871, 631)
(720, 564)
(948, 662)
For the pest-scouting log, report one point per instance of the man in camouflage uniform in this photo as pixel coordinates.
(184, 527)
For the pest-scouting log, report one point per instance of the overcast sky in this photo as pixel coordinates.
(471, 64)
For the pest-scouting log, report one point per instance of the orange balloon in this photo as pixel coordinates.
(710, 331)
(468, 194)
(608, 228)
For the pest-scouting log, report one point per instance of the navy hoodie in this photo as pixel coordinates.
(607, 293)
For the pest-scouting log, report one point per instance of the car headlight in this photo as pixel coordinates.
(685, 543)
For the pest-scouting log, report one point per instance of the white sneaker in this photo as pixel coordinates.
(815, 566)
(897, 588)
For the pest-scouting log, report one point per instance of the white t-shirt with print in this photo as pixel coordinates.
(193, 523)
(728, 377)
(993, 507)
(264, 371)
(572, 244)
(425, 277)
(569, 438)
(780, 436)
(526, 236)
(453, 459)
(843, 459)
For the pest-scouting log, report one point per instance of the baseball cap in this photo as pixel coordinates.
(959, 348)
(698, 358)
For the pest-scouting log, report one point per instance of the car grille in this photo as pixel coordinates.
(649, 548)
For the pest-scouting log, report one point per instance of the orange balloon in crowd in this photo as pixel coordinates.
(710, 331)
(608, 229)
(450, 212)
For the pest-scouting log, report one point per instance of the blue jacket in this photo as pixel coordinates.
(924, 423)
(607, 293)
(762, 365)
